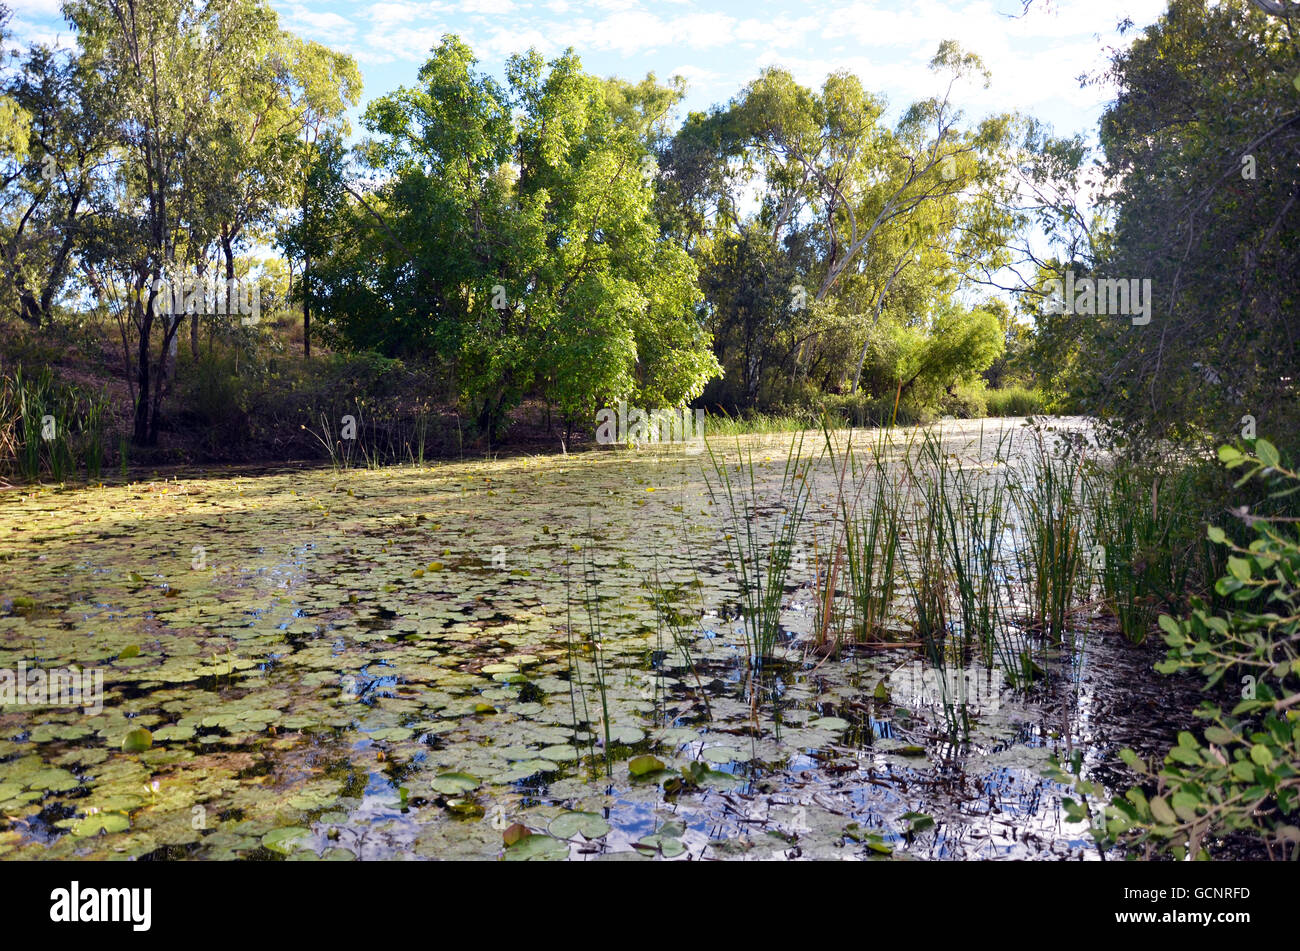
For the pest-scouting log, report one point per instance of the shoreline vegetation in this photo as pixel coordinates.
(53, 429)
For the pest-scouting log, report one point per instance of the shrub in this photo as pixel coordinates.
(1242, 775)
(1015, 401)
(966, 401)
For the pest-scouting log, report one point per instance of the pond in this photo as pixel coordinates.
(383, 663)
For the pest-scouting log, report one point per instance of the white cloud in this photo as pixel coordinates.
(36, 8)
(318, 22)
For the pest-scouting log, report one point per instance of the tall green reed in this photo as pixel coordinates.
(1052, 554)
(759, 543)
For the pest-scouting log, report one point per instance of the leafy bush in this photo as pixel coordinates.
(1015, 401)
(1242, 775)
(966, 401)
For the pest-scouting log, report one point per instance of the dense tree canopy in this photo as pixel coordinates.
(1201, 152)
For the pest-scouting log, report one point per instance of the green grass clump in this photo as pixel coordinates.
(761, 546)
(1015, 401)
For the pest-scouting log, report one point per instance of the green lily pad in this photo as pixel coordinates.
(644, 765)
(626, 735)
(587, 824)
(137, 741)
(454, 784)
(669, 846)
(53, 780)
(537, 848)
(829, 723)
(281, 840)
(106, 822)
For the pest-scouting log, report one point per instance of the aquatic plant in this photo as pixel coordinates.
(871, 517)
(760, 546)
(1053, 549)
(1242, 774)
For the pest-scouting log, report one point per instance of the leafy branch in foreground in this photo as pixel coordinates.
(1243, 774)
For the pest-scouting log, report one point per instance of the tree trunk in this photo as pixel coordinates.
(306, 276)
(200, 272)
(144, 321)
(228, 252)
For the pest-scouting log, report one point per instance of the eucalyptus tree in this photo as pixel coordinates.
(200, 134)
(1201, 148)
(856, 213)
(322, 85)
(54, 187)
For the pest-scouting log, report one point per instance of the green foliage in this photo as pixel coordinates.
(515, 240)
(1150, 550)
(1242, 774)
(50, 428)
(1014, 401)
(843, 278)
(1053, 555)
(965, 401)
(1199, 145)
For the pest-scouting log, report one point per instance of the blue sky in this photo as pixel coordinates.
(719, 46)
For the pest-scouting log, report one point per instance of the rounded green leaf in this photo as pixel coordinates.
(281, 840)
(1261, 754)
(137, 741)
(587, 824)
(1160, 809)
(538, 848)
(106, 822)
(641, 765)
(454, 784)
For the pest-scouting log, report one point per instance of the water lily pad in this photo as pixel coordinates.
(137, 741)
(514, 833)
(626, 735)
(644, 765)
(282, 840)
(720, 754)
(829, 723)
(587, 824)
(538, 848)
(106, 822)
(669, 846)
(454, 784)
(465, 808)
(53, 780)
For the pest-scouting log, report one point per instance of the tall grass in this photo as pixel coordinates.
(1052, 553)
(926, 566)
(975, 511)
(47, 427)
(682, 626)
(1015, 401)
(1151, 544)
(873, 534)
(591, 645)
(94, 426)
(724, 424)
(760, 543)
